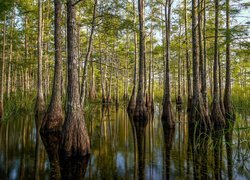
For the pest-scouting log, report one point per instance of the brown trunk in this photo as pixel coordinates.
(140, 109)
(75, 140)
(40, 104)
(198, 115)
(54, 117)
(85, 70)
(92, 92)
(167, 114)
(220, 86)
(11, 55)
(2, 69)
(229, 111)
(101, 73)
(189, 90)
(204, 77)
(216, 114)
(132, 101)
(179, 99)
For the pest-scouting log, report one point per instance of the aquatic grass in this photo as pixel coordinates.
(18, 104)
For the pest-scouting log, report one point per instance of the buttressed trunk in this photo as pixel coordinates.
(140, 109)
(54, 117)
(40, 104)
(75, 140)
(167, 114)
(216, 113)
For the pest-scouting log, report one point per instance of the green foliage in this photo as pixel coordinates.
(19, 104)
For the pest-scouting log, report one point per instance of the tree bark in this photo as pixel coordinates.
(40, 104)
(198, 115)
(2, 69)
(216, 114)
(179, 99)
(132, 101)
(167, 114)
(75, 140)
(54, 117)
(189, 90)
(229, 111)
(204, 79)
(140, 109)
(85, 70)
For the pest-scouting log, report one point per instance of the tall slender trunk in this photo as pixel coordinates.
(179, 99)
(40, 104)
(229, 111)
(11, 54)
(167, 115)
(75, 140)
(85, 70)
(54, 117)
(197, 112)
(189, 90)
(140, 110)
(216, 114)
(204, 81)
(220, 86)
(2, 69)
(101, 73)
(132, 101)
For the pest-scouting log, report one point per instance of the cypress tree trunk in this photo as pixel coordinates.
(140, 109)
(204, 79)
(40, 104)
(197, 114)
(216, 114)
(229, 111)
(85, 70)
(75, 140)
(167, 115)
(179, 99)
(132, 101)
(54, 117)
(189, 88)
(2, 69)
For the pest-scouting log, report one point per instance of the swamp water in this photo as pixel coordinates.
(124, 149)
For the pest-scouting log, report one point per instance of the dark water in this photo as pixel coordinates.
(124, 149)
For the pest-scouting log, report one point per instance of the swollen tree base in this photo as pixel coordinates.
(132, 102)
(75, 140)
(39, 108)
(140, 112)
(53, 120)
(217, 116)
(229, 112)
(167, 115)
(198, 116)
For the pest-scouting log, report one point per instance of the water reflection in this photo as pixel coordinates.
(126, 149)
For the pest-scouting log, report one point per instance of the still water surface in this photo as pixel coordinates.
(124, 149)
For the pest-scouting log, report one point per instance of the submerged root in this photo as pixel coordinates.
(75, 140)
